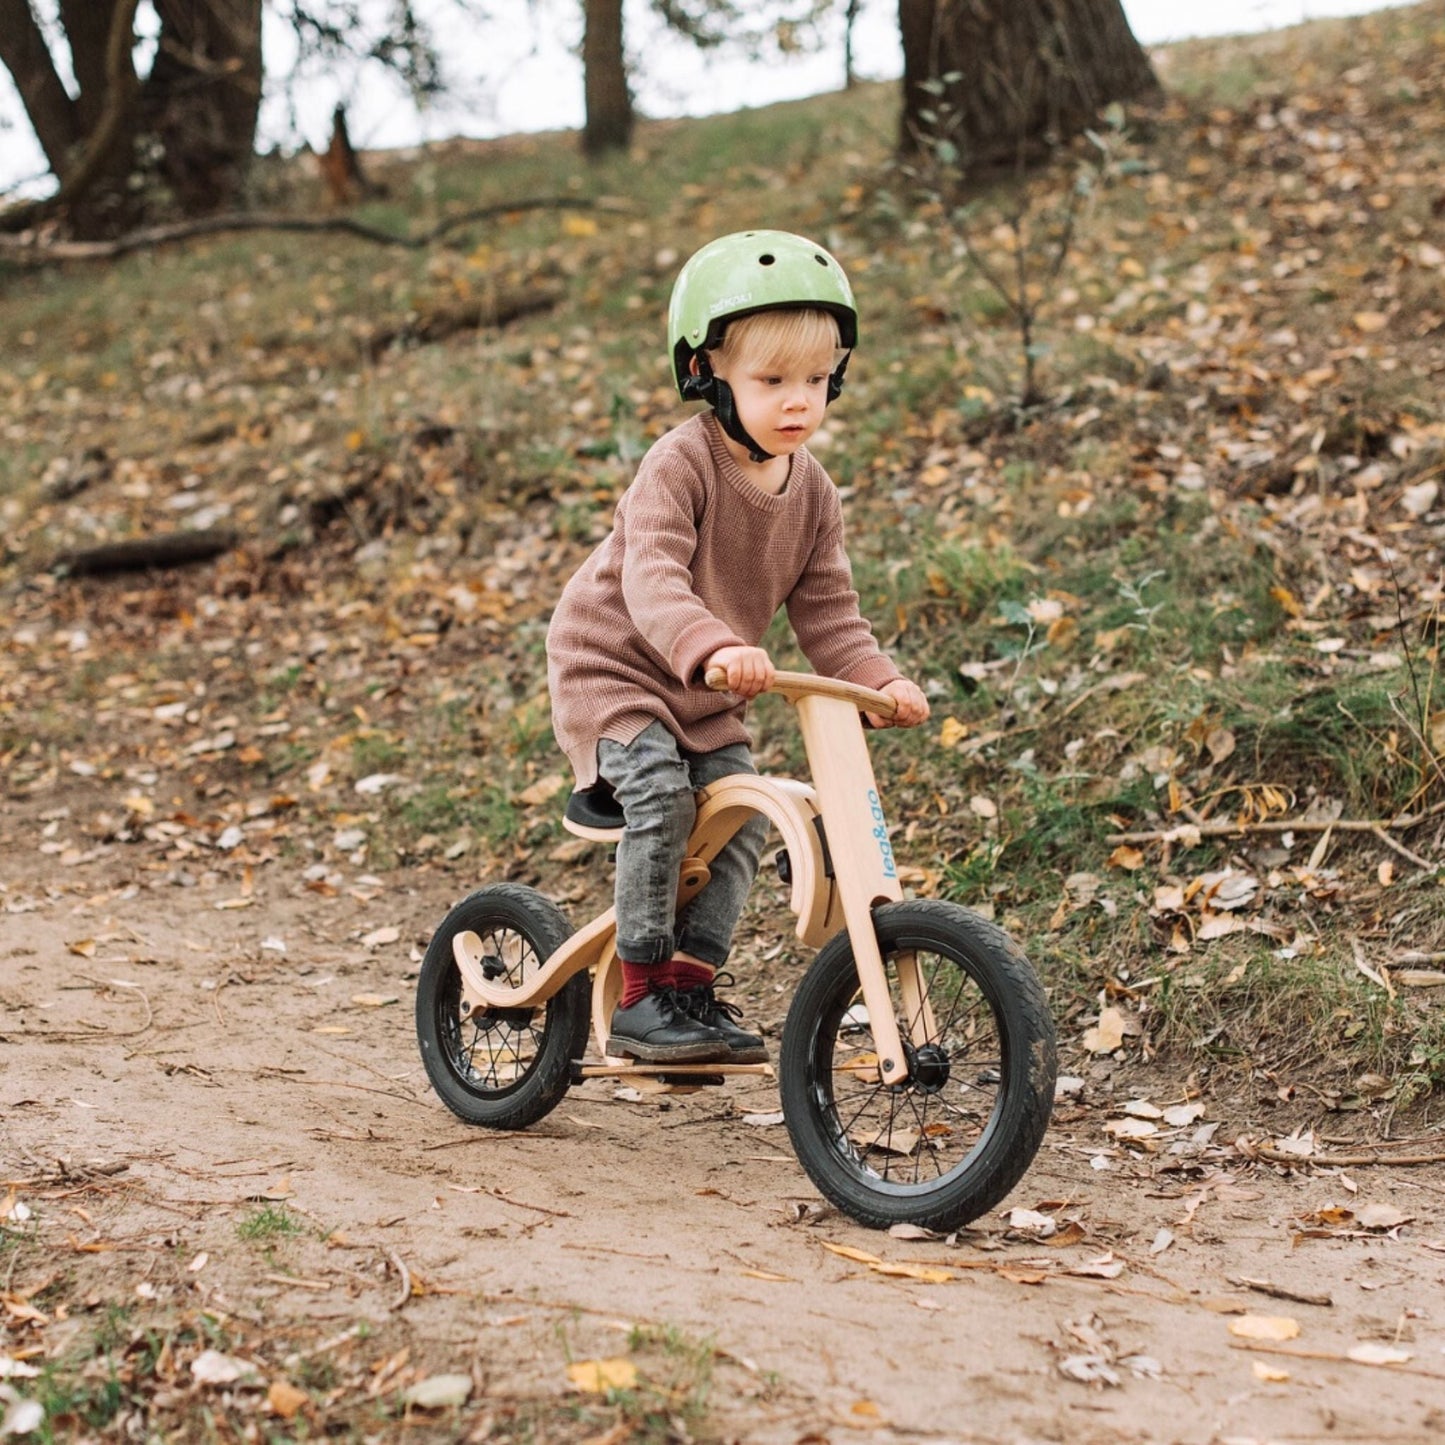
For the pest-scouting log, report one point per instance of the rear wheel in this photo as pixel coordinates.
(505, 1068)
(949, 1143)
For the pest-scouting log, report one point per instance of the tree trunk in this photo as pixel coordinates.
(203, 95)
(1028, 74)
(604, 77)
(48, 104)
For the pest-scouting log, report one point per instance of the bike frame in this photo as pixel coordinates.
(842, 869)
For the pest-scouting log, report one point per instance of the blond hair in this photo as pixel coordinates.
(781, 340)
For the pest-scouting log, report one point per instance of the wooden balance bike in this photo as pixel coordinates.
(917, 1062)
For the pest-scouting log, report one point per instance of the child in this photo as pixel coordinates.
(728, 518)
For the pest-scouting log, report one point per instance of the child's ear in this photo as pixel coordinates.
(692, 365)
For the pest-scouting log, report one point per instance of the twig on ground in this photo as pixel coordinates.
(1279, 1291)
(1403, 851)
(1352, 1161)
(404, 1294)
(1183, 831)
(1333, 1357)
(31, 248)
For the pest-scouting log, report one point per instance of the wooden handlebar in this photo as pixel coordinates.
(793, 685)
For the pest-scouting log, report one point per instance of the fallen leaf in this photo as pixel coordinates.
(846, 1251)
(1264, 1327)
(1270, 1374)
(439, 1392)
(211, 1367)
(374, 1000)
(1369, 1353)
(913, 1271)
(542, 790)
(1107, 1034)
(1032, 1222)
(1381, 1216)
(597, 1377)
(952, 732)
(1105, 1267)
(285, 1400)
(379, 936)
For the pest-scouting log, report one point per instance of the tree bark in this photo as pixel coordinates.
(609, 115)
(1026, 74)
(47, 102)
(202, 97)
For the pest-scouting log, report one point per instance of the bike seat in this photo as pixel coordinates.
(596, 809)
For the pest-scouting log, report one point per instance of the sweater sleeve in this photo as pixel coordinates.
(824, 611)
(660, 541)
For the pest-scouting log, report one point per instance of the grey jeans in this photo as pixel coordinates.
(655, 778)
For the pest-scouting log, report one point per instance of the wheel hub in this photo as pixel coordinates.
(928, 1066)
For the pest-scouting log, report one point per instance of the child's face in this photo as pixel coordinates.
(780, 406)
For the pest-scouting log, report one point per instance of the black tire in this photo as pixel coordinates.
(951, 1142)
(505, 1068)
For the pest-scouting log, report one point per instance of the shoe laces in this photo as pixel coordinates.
(703, 1002)
(672, 999)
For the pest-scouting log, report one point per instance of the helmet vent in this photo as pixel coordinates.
(821, 260)
(766, 259)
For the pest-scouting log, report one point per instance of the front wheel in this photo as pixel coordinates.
(948, 1144)
(505, 1068)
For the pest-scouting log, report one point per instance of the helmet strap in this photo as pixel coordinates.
(727, 415)
(707, 386)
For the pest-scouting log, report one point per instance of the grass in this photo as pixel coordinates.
(1152, 557)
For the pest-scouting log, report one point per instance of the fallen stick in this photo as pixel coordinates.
(30, 249)
(136, 554)
(1333, 1357)
(404, 1293)
(1182, 831)
(1279, 1291)
(1352, 1161)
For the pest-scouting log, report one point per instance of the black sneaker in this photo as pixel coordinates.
(660, 1029)
(707, 1008)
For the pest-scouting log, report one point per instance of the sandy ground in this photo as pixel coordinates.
(175, 1060)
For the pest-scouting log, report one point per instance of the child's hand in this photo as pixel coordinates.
(750, 670)
(912, 705)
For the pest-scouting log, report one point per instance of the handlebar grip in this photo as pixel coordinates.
(794, 685)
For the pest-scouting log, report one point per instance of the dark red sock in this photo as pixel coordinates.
(638, 978)
(683, 973)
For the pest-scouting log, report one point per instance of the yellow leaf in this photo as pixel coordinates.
(285, 1399)
(355, 440)
(866, 1408)
(1264, 1327)
(1062, 632)
(952, 732)
(763, 1274)
(597, 1377)
(914, 1271)
(578, 226)
(1126, 858)
(85, 947)
(1269, 1374)
(1287, 600)
(1108, 1034)
(848, 1252)
(541, 790)
(1369, 321)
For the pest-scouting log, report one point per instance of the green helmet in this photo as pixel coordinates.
(746, 272)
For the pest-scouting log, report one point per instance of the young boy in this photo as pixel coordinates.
(728, 519)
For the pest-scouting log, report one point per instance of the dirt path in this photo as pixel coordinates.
(180, 1072)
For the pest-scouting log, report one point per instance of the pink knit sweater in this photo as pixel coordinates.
(698, 559)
